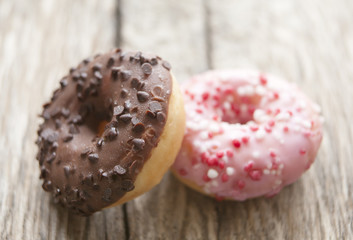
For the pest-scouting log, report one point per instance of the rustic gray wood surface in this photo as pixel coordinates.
(309, 42)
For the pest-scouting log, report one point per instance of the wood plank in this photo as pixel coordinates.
(39, 41)
(175, 30)
(310, 43)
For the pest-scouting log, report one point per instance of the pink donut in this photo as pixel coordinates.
(247, 134)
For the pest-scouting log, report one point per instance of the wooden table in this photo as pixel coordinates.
(309, 42)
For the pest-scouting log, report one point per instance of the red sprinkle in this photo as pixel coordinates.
(182, 172)
(236, 143)
(216, 97)
(271, 123)
(212, 162)
(276, 95)
(263, 80)
(204, 157)
(255, 175)
(302, 151)
(273, 154)
(205, 96)
(199, 110)
(225, 177)
(268, 129)
(205, 178)
(251, 110)
(230, 153)
(220, 154)
(248, 166)
(285, 129)
(221, 164)
(210, 135)
(235, 109)
(245, 140)
(254, 128)
(241, 184)
(228, 91)
(218, 89)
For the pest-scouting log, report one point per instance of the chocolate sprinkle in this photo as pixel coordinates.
(111, 133)
(123, 93)
(155, 106)
(125, 117)
(161, 117)
(110, 62)
(125, 75)
(73, 129)
(68, 138)
(93, 157)
(119, 170)
(142, 96)
(65, 112)
(166, 65)
(127, 185)
(87, 169)
(146, 68)
(139, 144)
(118, 110)
(139, 127)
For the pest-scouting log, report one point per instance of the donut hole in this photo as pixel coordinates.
(96, 122)
(241, 110)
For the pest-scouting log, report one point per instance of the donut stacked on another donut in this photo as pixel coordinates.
(247, 134)
(111, 131)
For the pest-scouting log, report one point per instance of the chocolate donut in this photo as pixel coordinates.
(101, 127)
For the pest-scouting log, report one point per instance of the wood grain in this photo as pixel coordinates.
(309, 42)
(39, 41)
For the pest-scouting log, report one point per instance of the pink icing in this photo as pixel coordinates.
(247, 134)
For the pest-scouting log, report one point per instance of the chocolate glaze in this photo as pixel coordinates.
(84, 169)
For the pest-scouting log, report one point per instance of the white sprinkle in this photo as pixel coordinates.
(214, 183)
(281, 166)
(241, 91)
(260, 134)
(260, 90)
(283, 116)
(266, 171)
(281, 141)
(212, 173)
(278, 182)
(256, 154)
(214, 128)
(258, 114)
(306, 124)
(204, 135)
(273, 172)
(226, 105)
(249, 90)
(225, 158)
(230, 171)
(269, 165)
